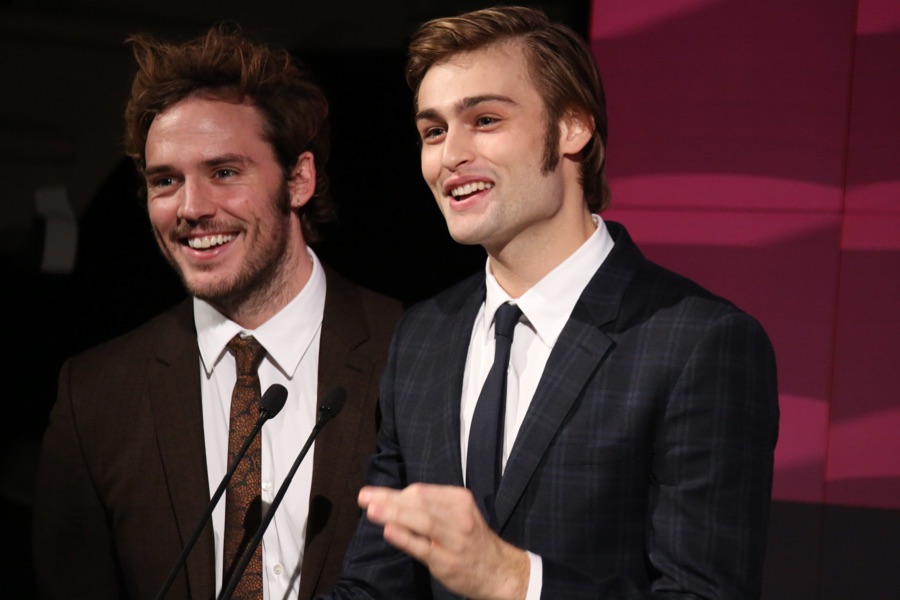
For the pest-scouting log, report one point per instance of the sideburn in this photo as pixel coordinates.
(551, 145)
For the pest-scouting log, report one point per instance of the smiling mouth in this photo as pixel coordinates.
(464, 191)
(209, 241)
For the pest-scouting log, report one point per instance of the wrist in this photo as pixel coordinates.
(513, 582)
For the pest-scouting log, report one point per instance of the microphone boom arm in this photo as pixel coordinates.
(331, 406)
(270, 405)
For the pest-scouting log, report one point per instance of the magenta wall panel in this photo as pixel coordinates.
(873, 160)
(864, 446)
(754, 147)
(734, 104)
(864, 443)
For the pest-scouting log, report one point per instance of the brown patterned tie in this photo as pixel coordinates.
(243, 502)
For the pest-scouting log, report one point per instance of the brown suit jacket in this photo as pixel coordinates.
(122, 479)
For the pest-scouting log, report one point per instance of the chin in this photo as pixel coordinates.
(210, 291)
(466, 237)
(465, 240)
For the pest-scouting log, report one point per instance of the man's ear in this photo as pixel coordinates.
(576, 130)
(302, 182)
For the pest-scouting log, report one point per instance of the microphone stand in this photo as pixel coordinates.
(270, 405)
(331, 406)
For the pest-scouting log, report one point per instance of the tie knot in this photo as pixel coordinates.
(248, 353)
(505, 320)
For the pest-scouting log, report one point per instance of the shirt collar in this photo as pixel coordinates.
(548, 304)
(286, 336)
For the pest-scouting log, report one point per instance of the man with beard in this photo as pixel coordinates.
(231, 139)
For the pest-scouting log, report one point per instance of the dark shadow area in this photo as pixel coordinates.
(794, 556)
(390, 236)
(819, 552)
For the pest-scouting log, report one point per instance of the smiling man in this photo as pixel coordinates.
(575, 421)
(231, 138)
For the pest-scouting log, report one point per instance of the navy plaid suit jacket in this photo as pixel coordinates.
(643, 467)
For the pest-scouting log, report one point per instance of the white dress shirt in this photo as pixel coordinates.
(546, 308)
(291, 339)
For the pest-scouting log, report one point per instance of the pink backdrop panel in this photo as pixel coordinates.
(728, 161)
(726, 104)
(863, 466)
(873, 158)
(864, 446)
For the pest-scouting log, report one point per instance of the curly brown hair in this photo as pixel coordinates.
(224, 64)
(560, 64)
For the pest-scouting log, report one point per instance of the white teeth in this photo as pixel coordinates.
(208, 241)
(469, 188)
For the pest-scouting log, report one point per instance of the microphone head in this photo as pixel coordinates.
(332, 404)
(273, 400)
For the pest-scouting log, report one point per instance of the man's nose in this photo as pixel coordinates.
(195, 202)
(457, 149)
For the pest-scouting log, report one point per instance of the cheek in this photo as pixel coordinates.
(162, 214)
(431, 165)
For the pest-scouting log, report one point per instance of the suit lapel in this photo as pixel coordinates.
(580, 350)
(174, 392)
(453, 333)
(344, 330)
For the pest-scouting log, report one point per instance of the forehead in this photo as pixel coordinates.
(497, 70)
(196, 123)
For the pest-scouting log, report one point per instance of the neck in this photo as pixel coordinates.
(524, 261)
(275, 291)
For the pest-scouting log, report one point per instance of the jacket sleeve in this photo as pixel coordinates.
(711, 475)
(713, 461)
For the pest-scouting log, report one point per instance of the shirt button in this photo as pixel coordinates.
(267, 486)
(278, 569)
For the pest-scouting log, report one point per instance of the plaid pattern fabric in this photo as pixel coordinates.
(643, 467)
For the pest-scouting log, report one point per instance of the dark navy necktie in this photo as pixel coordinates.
(484, 456)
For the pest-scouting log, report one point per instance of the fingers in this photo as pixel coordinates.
(407, 517)
(418, 546)
(442, 527)
(438, 513)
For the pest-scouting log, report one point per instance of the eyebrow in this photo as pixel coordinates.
(464, 105)
(209, 163)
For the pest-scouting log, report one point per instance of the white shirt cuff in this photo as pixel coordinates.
(535, 578)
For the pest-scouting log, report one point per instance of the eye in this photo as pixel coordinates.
(225, 173)
(161, 182)
(433, 135)
(486, 122)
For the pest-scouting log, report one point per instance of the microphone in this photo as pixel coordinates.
(330, 407)
(269, 405)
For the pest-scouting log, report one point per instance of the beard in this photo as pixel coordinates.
(261, 276)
